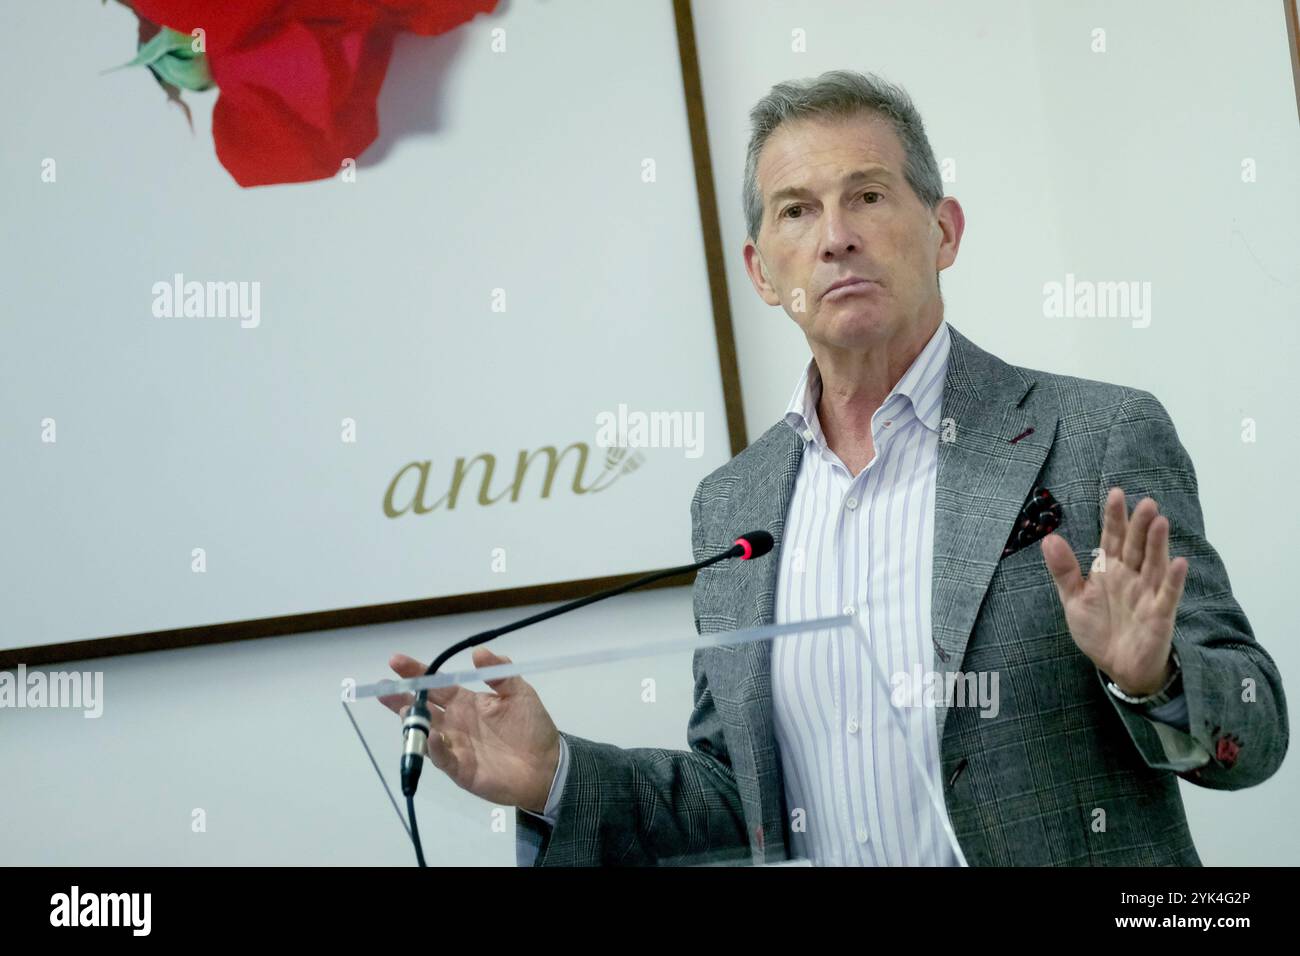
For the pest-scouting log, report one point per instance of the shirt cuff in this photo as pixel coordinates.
(1172, 712)
(557, 786)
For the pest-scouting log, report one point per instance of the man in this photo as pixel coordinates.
(946, 498)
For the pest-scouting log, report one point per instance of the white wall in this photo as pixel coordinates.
(1123, 165)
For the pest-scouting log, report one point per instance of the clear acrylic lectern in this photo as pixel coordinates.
(631, 695)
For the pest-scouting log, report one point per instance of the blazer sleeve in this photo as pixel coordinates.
(647, 805)
(1170, 724)
(1236, 708)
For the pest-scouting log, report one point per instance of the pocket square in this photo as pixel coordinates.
(1039, 516)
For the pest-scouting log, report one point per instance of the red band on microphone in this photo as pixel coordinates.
(749, 549)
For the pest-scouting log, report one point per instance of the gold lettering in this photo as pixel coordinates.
(553, 462)
(463, 467)
(417, 500)
(489, 465)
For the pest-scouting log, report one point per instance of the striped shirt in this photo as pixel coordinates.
(861, 545)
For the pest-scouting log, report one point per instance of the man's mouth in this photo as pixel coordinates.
(847, 287)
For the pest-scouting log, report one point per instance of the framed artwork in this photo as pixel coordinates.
(323, 324)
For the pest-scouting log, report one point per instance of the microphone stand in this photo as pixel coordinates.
(415, 729)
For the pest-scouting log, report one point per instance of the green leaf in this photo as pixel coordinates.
(171, 57)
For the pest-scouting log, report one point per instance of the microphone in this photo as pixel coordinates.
(415, 734)
(755, 545)
(415, 729)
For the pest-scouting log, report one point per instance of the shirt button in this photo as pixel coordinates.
(853, 725)
(862, 835)
(807, 433)
(851, 503)
(850, 609)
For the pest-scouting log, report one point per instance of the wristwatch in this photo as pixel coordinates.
(1173, 687)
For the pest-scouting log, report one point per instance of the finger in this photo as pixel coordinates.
(504, 686)
(1155, 564)
(409, 667)
(1114, 524)
(1135, 541)
(1171, 590)
(1062, 565)
(437, 720)
(406, 666)
(442, 751)
(435, 714)
(397, 702)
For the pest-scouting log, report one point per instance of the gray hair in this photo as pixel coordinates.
(839, 93)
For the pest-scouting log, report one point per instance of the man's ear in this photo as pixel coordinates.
(950, 220)
(762, 282)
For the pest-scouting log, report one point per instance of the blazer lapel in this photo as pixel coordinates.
(991, 449)
(764, 495)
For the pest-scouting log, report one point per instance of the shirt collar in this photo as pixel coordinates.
(921, 386)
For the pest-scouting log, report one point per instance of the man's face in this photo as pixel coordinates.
(836, 206)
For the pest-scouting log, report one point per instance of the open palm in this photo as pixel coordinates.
(1122, 615)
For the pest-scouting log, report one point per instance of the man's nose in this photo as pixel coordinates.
(839, 238)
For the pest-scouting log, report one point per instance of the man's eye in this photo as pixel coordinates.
(872, 192)
(785, 214)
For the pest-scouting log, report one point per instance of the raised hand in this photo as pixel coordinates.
(1122, 615)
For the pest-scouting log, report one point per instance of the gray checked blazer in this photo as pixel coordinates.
(1021, 788)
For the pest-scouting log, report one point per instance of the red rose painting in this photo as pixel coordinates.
(298, 80)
